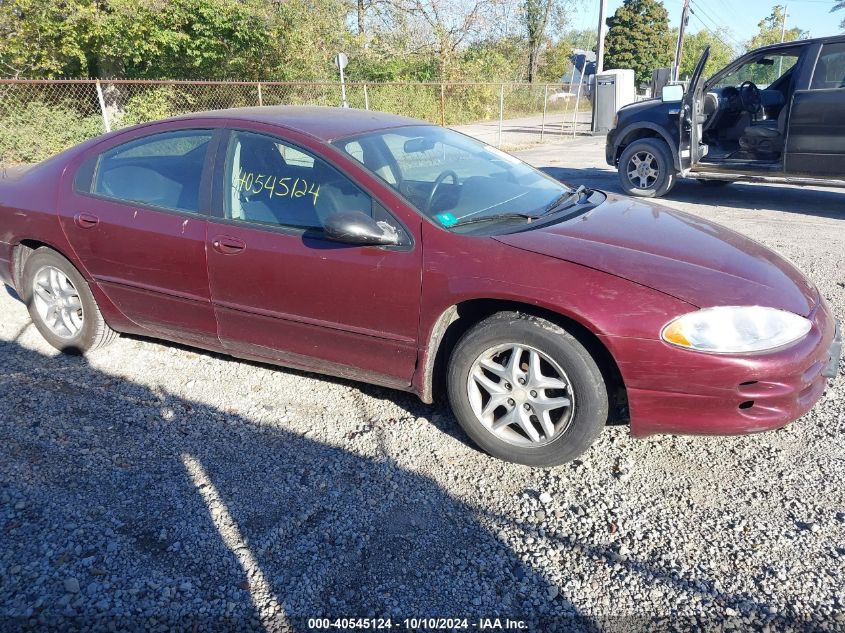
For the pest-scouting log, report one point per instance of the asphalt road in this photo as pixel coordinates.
(154, 487)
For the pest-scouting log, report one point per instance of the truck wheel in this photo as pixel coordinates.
(646, 169)
(61, 304)
(526, 391)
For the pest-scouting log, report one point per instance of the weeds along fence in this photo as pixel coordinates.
(39, 118)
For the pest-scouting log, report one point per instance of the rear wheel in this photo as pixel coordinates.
(646, 169)
(526, 391)
(61, 304)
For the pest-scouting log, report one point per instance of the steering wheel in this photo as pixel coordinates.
(750, 95)
(448, 173)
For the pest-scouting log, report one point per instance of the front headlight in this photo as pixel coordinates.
(735, 329)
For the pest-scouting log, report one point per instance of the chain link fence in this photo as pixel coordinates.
(40, 118)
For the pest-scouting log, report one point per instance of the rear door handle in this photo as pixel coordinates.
(86, 220)
(228, 245)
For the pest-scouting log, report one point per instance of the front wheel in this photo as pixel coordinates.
(646, 169)
(526, 391)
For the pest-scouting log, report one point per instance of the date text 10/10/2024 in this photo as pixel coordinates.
(416, 624)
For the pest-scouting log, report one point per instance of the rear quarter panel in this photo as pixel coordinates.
(28, 211)
(29, 200)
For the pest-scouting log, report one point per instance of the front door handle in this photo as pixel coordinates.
(228, 245)
(86, 220)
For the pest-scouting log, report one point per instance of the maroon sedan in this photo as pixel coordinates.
(380, 248)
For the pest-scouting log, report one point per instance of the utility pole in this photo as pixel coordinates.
(676, 70)
(600, 46)
(782, 37)
(783, 24)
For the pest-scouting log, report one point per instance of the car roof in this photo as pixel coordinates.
(794, 43)
(324, 123)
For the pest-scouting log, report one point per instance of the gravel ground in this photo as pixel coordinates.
(150, 486)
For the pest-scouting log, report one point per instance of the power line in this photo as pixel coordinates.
(715, 23)
(714, 33)
(717, 17)
(700, 13)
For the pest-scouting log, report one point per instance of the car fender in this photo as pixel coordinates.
(653, 127)
(442, 306)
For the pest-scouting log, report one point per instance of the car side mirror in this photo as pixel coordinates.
(356, 227)
(672, 94)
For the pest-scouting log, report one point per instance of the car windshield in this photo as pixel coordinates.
(454, 179)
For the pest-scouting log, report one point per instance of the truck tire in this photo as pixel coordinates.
(646, 169)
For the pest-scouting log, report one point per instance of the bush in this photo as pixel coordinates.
(35, 131)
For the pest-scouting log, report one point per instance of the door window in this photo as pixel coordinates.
(271, 182)
(830, 69)
(762, 71)
(163, 170)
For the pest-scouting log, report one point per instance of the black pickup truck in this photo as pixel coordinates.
(776, 114)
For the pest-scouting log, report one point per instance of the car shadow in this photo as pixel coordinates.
(164, 511)
(823, 203)
(142, 497)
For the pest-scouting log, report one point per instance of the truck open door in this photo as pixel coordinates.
(692, 118)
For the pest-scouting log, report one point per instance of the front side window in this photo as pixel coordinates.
(762, 71)
(162, 170)
(830, 69)
(452, 178)
(271, 182)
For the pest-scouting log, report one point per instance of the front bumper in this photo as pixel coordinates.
(683, 392)
(610, 148)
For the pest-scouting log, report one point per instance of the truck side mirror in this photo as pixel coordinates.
(672, 94)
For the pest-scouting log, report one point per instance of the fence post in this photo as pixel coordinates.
(106, 124)
(545, 101)
(501, 113)
(442, 104)
(260, 99)
(577, 105)
(366, 98)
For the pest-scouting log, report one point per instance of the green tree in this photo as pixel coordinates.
(554, 61)
(770, 30)
(694, 44)
(535, 14)
(196, 39)
(639, 38)
(176, 39)
(41, 38)
(582, 39)
(839, 4)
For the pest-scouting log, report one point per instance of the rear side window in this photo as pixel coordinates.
(162, 170)
(830, 69)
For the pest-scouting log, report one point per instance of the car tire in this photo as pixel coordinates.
(658, 173)
(567, 431)
(61, 305)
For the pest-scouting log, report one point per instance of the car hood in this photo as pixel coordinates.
(676, 253)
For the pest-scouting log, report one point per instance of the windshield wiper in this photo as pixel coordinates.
(493, 218)
(568, 198)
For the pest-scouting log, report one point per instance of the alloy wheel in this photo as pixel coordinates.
(57, 302)
(520, 395)
(643, 170)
